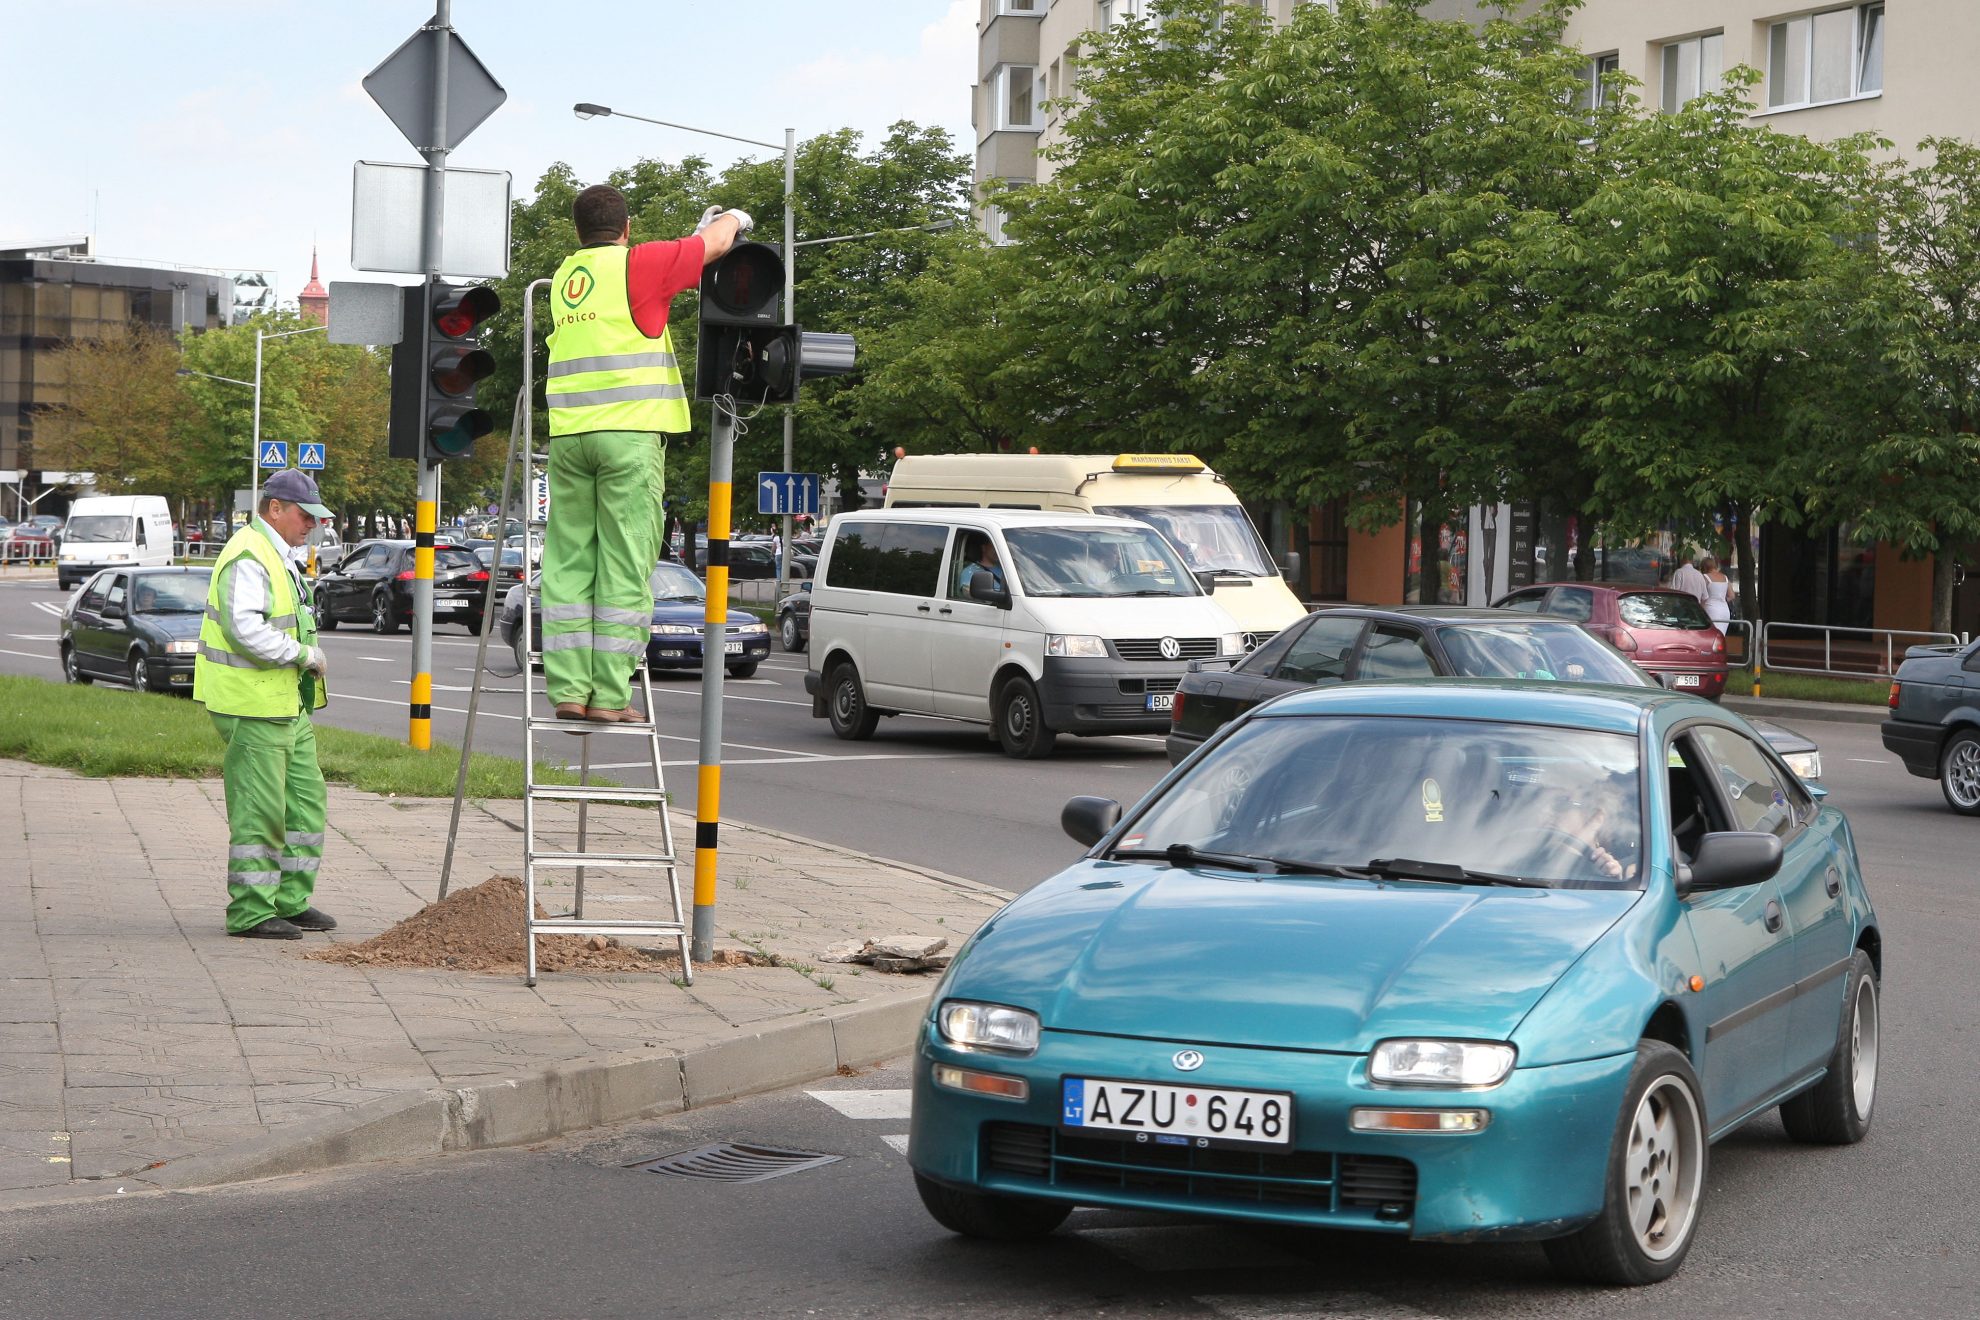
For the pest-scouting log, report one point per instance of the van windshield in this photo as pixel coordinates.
(1211, 536)
(1085, 561)
(98, 527)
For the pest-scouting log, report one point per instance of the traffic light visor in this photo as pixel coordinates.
(457, 311)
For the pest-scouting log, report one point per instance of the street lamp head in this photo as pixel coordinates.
(586, 110)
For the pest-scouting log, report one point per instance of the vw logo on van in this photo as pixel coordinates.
(1171, 649)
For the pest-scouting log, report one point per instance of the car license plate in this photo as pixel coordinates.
(1177, 1115)
(731, 648)
(449, 604)
(1161, 700)
(1684, 680)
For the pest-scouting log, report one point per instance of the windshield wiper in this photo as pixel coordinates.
(1409, 868)
(1182, 854)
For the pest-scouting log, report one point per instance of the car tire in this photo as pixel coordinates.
(325, 620)
(1655, 1183)
(1959, 772)
(787, 633)
(521, 648)
(1836, 1110)
(743, 671)
(845, 704)
(1020, 718)
(988, 1215)
(382, 620)
(72, 670)
(141, 673)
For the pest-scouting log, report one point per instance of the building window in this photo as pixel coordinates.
(1117, 11)
(1033, 8)
(1594, 95)
(1831, 55)
(1693, 67)
(993, 224)
(1017, 97)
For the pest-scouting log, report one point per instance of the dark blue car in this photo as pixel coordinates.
(679, 606)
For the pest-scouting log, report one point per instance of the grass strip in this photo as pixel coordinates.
(1810, 687)
(104, 731)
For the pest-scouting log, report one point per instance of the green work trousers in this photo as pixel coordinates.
(598, 556)
(275, 816)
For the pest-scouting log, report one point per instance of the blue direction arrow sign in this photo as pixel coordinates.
(274, 454)
(787, 492)
(309, 456)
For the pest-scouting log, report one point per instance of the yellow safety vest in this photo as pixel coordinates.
(229, 683)
(605, 374)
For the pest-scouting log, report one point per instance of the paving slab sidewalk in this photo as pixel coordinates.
(141, 1047)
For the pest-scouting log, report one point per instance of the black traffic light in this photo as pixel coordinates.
(435, 368)
(746, 349)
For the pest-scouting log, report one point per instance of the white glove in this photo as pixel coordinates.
(744, 223)
(708, 218)
(315, 662)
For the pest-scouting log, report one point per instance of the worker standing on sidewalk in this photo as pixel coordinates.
(259, 674)
(614, 392)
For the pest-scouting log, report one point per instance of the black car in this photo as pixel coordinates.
(1343, 645)
(135, 625)
(794, 618)
(1935, 720)
(374, 584)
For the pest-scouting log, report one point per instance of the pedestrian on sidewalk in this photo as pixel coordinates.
(1688, 578)
(1718, 593)
(614, 392)
(259, 673)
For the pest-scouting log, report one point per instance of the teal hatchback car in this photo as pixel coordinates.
(1450, 960)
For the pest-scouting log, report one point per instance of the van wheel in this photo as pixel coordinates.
(1021, 727)
(845, 705)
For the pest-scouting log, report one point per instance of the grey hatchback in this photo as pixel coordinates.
(1935, 720)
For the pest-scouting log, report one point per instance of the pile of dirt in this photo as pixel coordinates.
(481, 930)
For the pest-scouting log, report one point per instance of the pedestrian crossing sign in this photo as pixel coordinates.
(274, 454)
(309, 456)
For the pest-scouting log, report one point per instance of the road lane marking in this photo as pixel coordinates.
(866, 1104)
(899, 1142)
(377, 659)
(36, 637)
(30, 655)
(1870, 760)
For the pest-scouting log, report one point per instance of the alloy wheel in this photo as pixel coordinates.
(1963, 773)
(1662, 1166)
(1863, 1033)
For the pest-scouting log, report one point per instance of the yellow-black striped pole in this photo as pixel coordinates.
(419, 711)
(708, 776)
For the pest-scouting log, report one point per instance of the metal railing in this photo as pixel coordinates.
(1795, 648)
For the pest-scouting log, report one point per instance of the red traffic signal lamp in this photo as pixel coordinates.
(435, 368)
(746, 349)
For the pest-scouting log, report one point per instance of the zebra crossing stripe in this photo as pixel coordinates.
(866, 1104)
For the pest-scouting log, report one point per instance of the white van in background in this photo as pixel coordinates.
(1097, 622)
(1177, 494)
(125, 530)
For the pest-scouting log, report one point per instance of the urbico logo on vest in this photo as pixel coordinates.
(578, 287)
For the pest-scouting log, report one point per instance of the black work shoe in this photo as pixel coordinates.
(272, 929)
(311, 919)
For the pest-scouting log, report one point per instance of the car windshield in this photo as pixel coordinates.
(1210, 536)
(99, 527)
(674, 582)
(1561, 652)
(1443, 800)
(1097, 561)
(1662, 609)
(170, 593)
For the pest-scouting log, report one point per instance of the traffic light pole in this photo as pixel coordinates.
(708, 776)
(419, 709)
(790, 313)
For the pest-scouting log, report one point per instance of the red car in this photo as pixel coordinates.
(1665, 632)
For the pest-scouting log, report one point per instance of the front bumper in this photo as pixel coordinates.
(1107, 696)
(1538, 1170)
(1917, 745)
(684, 652)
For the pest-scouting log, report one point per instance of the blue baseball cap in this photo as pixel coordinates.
(297, 487)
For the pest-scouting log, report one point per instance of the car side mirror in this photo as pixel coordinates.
(1289, 566)
(982, 588)
(113, 611)
(1086, 820)
(1729, 859)
(1205, 579)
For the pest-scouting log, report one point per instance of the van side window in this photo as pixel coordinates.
(910, 560)
(855, 558)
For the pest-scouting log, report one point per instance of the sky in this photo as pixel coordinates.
(223, 133)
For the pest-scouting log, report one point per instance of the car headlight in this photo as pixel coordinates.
(1069, 644)
(1231, 644)
(754, 626)
(675, 630)
(988, 1027)
(1806, 764)
(182, 648)
(1453, 1063)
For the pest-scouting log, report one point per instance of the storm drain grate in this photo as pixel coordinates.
(734, 1162)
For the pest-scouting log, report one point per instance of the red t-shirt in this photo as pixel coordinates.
(655, 272)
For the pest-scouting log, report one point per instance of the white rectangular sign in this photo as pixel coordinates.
(387, 221)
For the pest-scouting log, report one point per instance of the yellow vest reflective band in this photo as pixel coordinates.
(605, 375)
(229, 683)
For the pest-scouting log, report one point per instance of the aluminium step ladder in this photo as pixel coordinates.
(584, 858)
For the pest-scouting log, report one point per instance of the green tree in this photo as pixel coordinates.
(122, 415)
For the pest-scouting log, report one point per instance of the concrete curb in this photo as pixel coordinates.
(561, 1099)
(1834, 712)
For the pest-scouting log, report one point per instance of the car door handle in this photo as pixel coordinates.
(1833, 882)
(945, 610)
(1774, 917)
(924, 609)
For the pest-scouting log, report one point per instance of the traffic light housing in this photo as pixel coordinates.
(746, 350)
(436, 366)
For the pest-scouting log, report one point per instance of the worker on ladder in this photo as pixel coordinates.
(614, 391)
